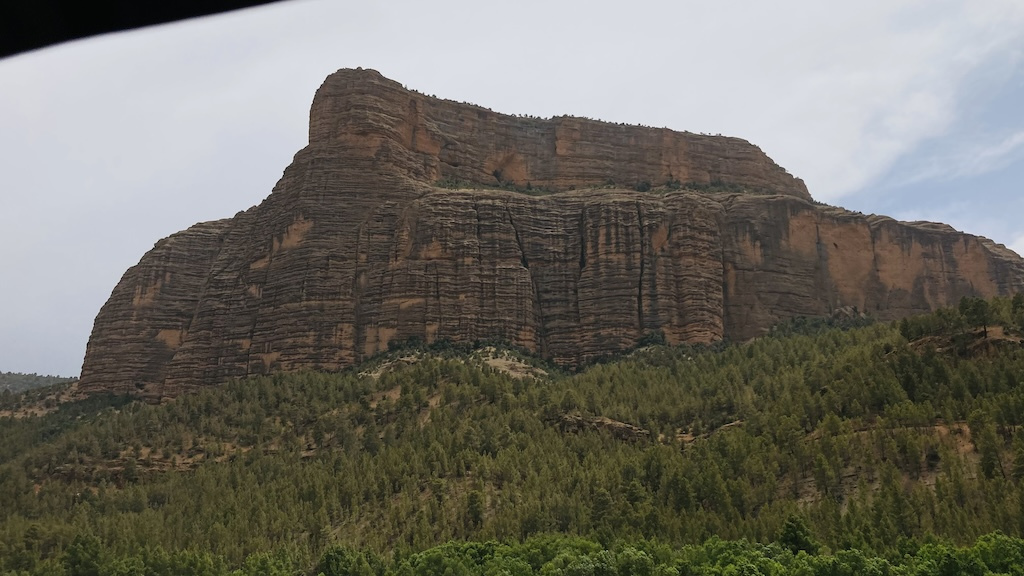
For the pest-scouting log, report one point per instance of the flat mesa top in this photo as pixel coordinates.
(445, 141)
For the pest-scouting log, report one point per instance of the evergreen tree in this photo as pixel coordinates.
(82, 557)
(796, 536)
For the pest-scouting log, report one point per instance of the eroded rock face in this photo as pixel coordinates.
(358, 246)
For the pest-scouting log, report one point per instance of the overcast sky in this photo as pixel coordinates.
(906, 108)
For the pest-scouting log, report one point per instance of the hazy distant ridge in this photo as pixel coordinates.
(18, 382)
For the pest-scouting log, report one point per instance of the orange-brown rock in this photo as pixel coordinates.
(360, 245)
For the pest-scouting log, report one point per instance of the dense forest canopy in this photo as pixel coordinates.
(881, 448)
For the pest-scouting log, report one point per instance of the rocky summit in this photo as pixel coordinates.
(409, 216)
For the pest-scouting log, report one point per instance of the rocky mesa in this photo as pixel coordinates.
(408, 216)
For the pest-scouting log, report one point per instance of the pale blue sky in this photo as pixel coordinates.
(906, 108)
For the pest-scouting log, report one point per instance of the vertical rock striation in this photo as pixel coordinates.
(358, 245)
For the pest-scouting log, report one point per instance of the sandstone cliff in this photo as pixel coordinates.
(358, 245)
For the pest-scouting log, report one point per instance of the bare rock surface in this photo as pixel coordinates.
(389, 226)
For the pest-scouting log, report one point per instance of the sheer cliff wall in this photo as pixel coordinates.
(358, 246)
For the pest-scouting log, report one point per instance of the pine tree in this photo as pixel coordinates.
(796, 536)
(1018, 456)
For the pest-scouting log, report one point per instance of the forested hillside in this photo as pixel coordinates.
(898, 441)
(18, 382)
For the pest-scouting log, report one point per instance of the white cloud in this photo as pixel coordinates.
(964, 159)
(1018, 244)
(987, 158)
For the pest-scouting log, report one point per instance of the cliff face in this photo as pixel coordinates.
(430, 139)
(357, 247)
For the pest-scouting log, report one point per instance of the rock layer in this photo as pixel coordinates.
(358, 246)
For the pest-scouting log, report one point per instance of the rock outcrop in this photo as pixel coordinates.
(407, 216)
